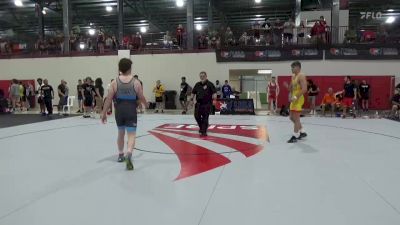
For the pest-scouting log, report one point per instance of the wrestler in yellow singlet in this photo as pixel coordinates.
(296, 106)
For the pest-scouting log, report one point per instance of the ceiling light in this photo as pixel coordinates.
(18, 3)
(143, 29)
(82, 46)
(199, 27)
(179, 3)
(44, 11)
(258, 1)
(91, 24)
(258, 15)
(390, 19)
(109, 8)
(264, 71)
(199, 18)
(390, 10)
(92, 32)
(143, 21)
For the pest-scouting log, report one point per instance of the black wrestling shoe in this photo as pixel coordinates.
(302, 135)
(293, 139)
(203, 134)
(121, 158)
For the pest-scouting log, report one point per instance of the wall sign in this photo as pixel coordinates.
(371, 15)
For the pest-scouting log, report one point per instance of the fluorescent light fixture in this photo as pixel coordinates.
(143, 29)
(18, 3)
(258, 1)
(82, 46)
(390, 19)
(264, 71)
(143, 21)
(44, 11)
(199, 27)
(258, 15)
(199, 18)
(91, 24)
(92, 32)
(179, 3)
(390, 10)
(109, 8)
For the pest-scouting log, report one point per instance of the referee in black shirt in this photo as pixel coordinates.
(205, 92)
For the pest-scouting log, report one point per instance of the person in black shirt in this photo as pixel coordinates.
(48, 95)
(205, 92)
(183, 95)
(87, 93)
(364, 90)
(62, 94)
(349, 94)
(80, 96)
(396, 104)
(99, 94)
(313, 91)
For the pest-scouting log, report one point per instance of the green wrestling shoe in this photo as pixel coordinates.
(129, 164)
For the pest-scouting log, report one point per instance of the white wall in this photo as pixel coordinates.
(315, 15)
(170, 67)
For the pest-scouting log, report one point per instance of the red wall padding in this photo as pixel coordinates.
(381, 89)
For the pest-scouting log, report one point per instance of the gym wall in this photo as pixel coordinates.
(170, 67)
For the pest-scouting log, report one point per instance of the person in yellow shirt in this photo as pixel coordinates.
(329, 101)
(297, 89)
(158, 91)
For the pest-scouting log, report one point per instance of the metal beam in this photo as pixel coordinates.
(335, 21)
(66, 25)
(190, 24)
(120, 21)
(210, 15)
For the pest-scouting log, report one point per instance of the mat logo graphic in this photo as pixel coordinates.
(192, 151)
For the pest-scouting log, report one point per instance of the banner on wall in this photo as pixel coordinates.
(235, 106)
(372, 53)
(265, 55)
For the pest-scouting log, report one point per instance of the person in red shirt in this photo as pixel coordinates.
(273, 92)
(179, 35)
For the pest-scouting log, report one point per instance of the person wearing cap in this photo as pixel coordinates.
(88, 96)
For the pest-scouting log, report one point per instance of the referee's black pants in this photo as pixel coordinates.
(49, 105)
(201, 114)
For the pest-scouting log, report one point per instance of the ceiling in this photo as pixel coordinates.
(160, 15)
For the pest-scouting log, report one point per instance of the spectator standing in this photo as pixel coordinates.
(301, 33)
(62, 94)
(40, 96)
(218, 88)
(277, 31)
(100, 42)
(87, 94)
(229, 38)
(158, 91)
(48, 96)
(273, 93)
(364, 91)
(349, 95)
(226, 90)
(137, 41)
(396, 104)
(22, 94)
(288, 31)
(244, 39)
(99, 95)
(266, 26)
(14, 94)
(80, 96)
(179, 35)
(185, 90)
(312, 90)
